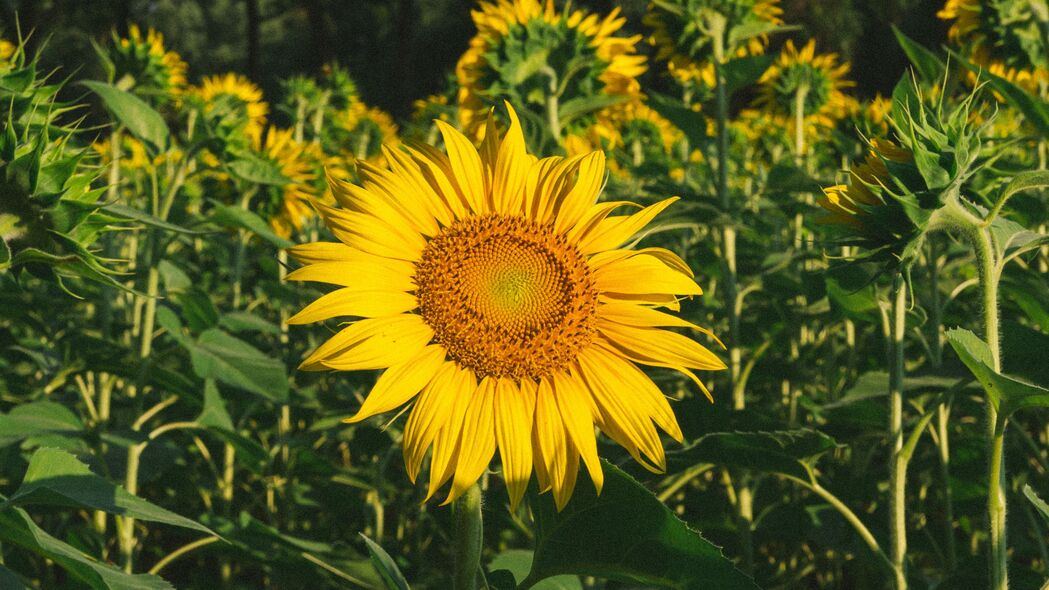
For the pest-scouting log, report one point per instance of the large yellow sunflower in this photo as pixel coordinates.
(524, 46)
(495, 294)
(1005, 36)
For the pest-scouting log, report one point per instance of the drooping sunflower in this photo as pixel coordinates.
(682, 33)
(524, 47)
(238, 95)
(494, 292)
(1008, 37)
(143, 64)
(817, 81)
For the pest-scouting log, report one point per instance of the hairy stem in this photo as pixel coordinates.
(466, 514)
(897, 461)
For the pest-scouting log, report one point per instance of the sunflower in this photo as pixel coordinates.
(7, 49)
(631, 133)
(495, 293)
(133, 154)
(816, 80)
(298, 163)
(1005, 36)
(237, 94)
(522, 47)
(146, 65)
(682, 33)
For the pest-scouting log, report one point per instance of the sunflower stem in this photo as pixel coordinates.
(467, 528)
(898, 460)
(553, 115)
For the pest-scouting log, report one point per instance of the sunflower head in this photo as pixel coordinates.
(425, 111)
(7, 50)
(298, 163)
(360, 131)
(687, 33)
(1008, 37)
(816, 83)
(527, 52)
(233, 104)
(494, 291)
(141, 64)
(892, 195)
(636, 139)
(339, 85)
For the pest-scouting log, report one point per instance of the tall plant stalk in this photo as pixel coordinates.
(897, 461)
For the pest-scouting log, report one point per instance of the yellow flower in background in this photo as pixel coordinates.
(817, 81)
(525, 47)
(240, 94)
(681, 33)
(360, 131)
(133, 154)
(298, 163)
(7, 49)
(146, 65)
(1005, 36)
(495, 294)
(631, 133)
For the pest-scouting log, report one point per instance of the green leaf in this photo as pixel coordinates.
(1039, 503)
(214, 413)
(580, 107)
(1035, 110)
(38, 419)
(624, 534)
(125, 213)
(57, 478)
(392, 578)
(744, 71)
(218, 355)
(256, 170)
(789, 452)
(929, 66)
(249, 453)
(18, 528)
(1007, 393)
(235, 217)
(1012, 239)
(1024, 181)
(519, 562)
(242, 321)
(140, 119)
(692, 123)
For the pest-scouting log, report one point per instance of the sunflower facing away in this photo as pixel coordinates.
(495, 294)
(237, 94)
(522, 47)
(144, 63)
(297, 162)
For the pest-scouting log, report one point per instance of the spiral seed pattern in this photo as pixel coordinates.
(506, 296)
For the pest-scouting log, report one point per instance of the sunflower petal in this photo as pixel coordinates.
(643, 273)
(477, 444)
(397, 385)
(466, 167)
(446, 446)
(612, 232)
(429, 414)
(373, 343)
(571, 397)
(353, 302)
(514, 412)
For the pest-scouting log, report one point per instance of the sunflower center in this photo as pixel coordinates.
(506, 296)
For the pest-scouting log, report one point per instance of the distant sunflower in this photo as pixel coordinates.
(682, 38)
(298, 163)
(631, 133)
(523, 46)
(240, 95)
(145, 63)
(1005, 36)
(7, 49)
(368, 129)
(496, 294)
(820, 77)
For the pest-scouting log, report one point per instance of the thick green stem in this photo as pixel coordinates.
(996, 504)
(126, 524)
(553, 107)
(799, 124)
(466, 542)
(897, 462)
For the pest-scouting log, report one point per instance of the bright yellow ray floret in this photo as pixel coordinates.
(494, 292)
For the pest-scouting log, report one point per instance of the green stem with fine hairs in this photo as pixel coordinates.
(466, 539)
(897, 461)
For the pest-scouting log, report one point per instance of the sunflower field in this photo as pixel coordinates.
(645, 295)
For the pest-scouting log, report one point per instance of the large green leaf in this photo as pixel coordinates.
(692, 123)
(518, 562)
(1006, 392)
(789, 452)
(392, 578)
(18, 528)
(744, 71)
(256, 170)
(37, 419)
(140, 119)
(10, 580)
(1039, 504)
(57, 478)
(218, 355)
(624, 534)
(125, 213)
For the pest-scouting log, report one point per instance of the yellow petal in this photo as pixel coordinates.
(466, 167)
(374, 343)
(512, 166)
(659, 348)
(590, 178)
(643, 273)
(362, 272)
(322, 252)
(631, 314)
(374, 198)
(353, 302)
(372, 234)
(437, 171)
(429, 414)
(574, 403)
(405, 167)
(477, 444)
(514, 412)
(550, 441)
(640, 387)
(399, 384)
(398, 192)
(612, 232)
(446, 446)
